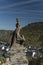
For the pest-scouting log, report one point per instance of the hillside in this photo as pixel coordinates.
(33, 34)
(5, 35)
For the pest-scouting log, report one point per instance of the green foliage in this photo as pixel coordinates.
(2, 60)
(32, 33)
(35, 61)
(5, 35)
(12, 64)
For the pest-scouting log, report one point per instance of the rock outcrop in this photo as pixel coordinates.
(17, 51)
(18, 55)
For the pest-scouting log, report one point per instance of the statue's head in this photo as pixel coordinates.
(17, 20)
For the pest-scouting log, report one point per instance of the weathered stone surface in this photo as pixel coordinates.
(18, 55)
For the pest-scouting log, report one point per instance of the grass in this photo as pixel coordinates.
(35, 61)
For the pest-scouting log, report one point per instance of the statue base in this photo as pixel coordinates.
(18, 55)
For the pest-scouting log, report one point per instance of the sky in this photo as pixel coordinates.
(28, 11)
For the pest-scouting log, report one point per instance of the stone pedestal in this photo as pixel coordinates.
(18, 55)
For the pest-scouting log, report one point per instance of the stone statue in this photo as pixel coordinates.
(17, 51)
(18, 28)
(17, 37)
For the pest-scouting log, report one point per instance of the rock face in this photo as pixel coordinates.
(17, 51)
(18, 55)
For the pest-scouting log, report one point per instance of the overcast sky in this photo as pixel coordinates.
(28, 11)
